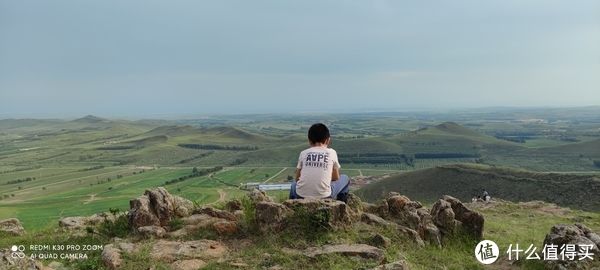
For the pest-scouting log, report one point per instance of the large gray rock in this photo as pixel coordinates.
(152, 231)
(333, 213)
(12, 226)
(111, 257)
(413, 215)
(197, 222)
(213, 212)
(193, 264)
(157, 207)
(577, 235)
(397, 265)
(257, 196)
(271, 216)
(9, 262)
(171, 251)
(358, 250)
(449, 214)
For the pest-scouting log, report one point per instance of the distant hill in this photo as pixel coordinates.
(173, 131)
(466, 181)
(588, 148)
(233, 132)
(91, 119)
(450, 128)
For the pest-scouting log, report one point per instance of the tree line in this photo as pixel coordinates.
(219, 147)
(16, 181)
(195, 173)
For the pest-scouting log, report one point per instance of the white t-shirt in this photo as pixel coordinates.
(316, 164)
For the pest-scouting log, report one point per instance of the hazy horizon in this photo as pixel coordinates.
(67, 59)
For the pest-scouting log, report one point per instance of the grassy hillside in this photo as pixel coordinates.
(467, 181)
(506, 223)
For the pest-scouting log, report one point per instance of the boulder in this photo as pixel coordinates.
(577, 235)
(12, 226)
(397, 265)
(381, 241)
(373, 219)
(7, 261)
(381, 209)
(355, 250)
(404, 211)
(152, 231)
(355, 206)
(412, 215)
(443, 217)
(216, 213)
(111, 257)
(449, 207)
(157, 207)
(411, 234)
(170, 251)
(271, 216)
(79, 223)
(257, 196)
(331, 213)
(225, 227)
(193, 264)
(197, 222)
(233, 205)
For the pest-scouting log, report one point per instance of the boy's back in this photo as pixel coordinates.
(317, 164)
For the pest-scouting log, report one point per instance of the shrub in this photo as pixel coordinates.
(117, 227)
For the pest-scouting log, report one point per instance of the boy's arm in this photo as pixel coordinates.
(335, 174)
(298, 174)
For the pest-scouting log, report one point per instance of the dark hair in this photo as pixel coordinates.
(318, 133)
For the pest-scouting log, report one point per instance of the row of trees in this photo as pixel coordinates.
(16, 181)
(92, 168)
(203, 155)
(195, 173)
(219, 147)
(395, 158)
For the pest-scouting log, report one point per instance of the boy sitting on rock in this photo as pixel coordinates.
(318, 170)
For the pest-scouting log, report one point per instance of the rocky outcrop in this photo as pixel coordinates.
(450, 214)
(12, 226)
(578, 235)
(446, 217)
(358, 250)
(157, 207)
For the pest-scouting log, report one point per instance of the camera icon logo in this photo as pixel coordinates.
(17, 251)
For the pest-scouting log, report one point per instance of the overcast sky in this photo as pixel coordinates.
(150, 58)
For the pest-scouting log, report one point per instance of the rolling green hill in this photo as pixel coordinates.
(467, 181)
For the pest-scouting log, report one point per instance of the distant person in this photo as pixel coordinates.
(318, 170)
(486, 196)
